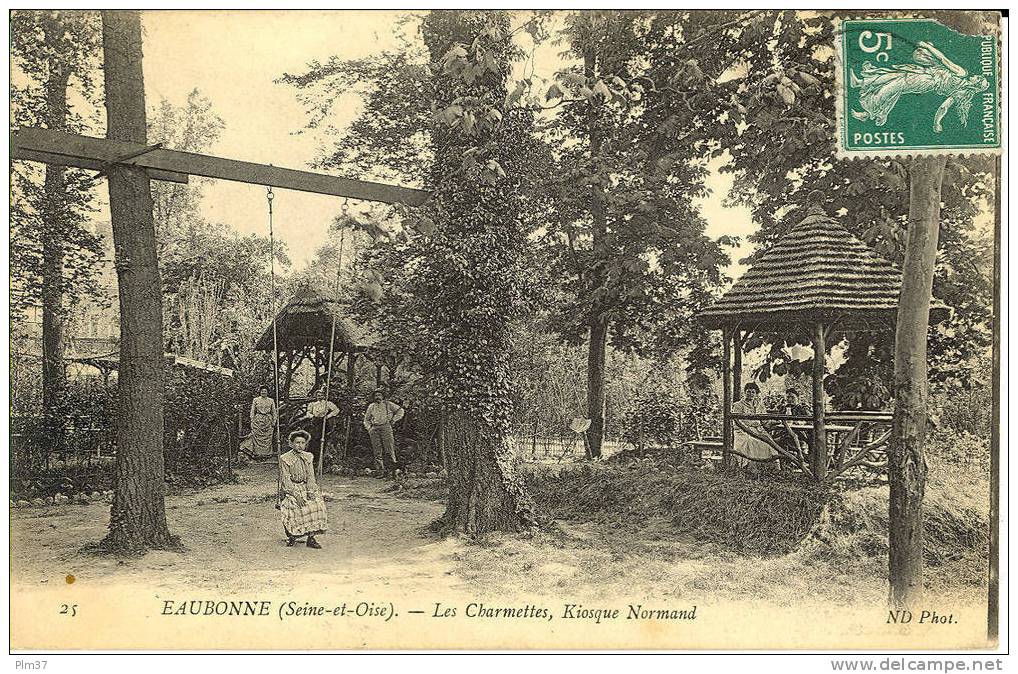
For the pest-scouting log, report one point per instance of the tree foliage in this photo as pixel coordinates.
(215, 281)
(629, 141)
(48, 46)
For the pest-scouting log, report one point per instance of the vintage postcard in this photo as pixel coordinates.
(506, 330)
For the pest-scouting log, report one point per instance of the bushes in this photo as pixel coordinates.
(964, 450)
(68, 451)
(853, 530)
(964, 411)
(72, 450)
(199, 427)
(669, 416)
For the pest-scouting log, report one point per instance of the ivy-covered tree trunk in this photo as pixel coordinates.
(471, 271)
(138, 515)
(54, 210)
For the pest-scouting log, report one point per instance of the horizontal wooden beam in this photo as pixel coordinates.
(60, 159)
(36, 144)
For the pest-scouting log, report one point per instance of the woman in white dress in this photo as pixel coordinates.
(746, 444)
(263, 423)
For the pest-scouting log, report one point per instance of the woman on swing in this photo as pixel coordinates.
(302, 507)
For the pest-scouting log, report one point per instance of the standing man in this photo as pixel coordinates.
(318, 411)
(378, 420)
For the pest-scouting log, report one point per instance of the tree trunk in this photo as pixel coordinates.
(598, 322)
(54, 210)
(596, 385)
(138, 516)
(486, 492)
(906, 462)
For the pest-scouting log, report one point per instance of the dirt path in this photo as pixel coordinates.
(235, 543)
(379, 553)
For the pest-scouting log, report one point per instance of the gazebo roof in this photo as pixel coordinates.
(818, 271)
(306, 320)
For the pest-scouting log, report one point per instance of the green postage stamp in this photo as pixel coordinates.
(915, 86)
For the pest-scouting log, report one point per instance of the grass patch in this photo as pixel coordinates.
(765, 515)
(768, 514)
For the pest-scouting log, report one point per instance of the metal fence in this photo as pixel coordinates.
(560, 449)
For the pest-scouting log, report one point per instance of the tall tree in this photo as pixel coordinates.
(53, 252)
(470, 267)
(138, 515)
(622, 228)
(906, 456)
(906, 462)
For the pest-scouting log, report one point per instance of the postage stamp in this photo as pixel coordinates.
(915, 86)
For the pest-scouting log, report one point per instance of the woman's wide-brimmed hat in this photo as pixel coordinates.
(300, 433)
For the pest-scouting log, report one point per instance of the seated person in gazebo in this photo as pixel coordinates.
(782, 434)
(318, 410)
(746, 445)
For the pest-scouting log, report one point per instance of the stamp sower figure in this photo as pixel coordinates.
(317, 410)
(378, 420)
(746, 444)
(302, 507)
(263, 420)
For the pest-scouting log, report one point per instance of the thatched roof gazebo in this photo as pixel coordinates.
(818, 279)
(302, 333)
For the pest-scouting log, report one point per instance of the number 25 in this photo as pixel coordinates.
(71, 610)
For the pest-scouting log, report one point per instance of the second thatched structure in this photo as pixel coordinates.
(817, 279)
(303, 330)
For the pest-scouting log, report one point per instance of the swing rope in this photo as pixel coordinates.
(275, 340)
(332, 343)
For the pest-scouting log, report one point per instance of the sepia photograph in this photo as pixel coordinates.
(506, 330)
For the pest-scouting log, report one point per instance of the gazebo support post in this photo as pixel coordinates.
(818, 457)
(726, 401)
(737, 367)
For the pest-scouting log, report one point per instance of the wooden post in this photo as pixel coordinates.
(726, 400)
(818, 457)
(906, 461)
(66, 149)
(351, 362)
(737, 367)
(378, 375)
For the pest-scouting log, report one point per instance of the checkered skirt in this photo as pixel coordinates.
(300, 520)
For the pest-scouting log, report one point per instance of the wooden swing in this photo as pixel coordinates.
(269, 196)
